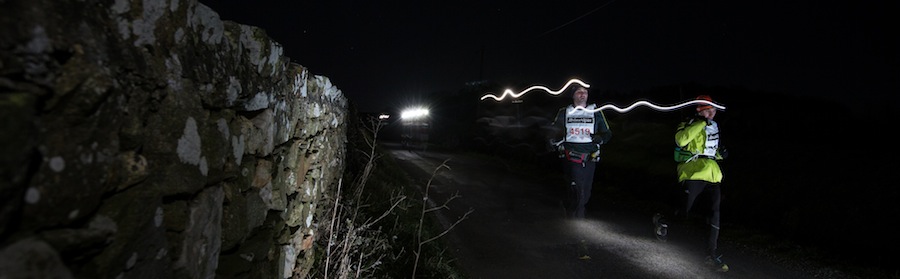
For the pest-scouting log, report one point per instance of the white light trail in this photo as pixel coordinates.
(516, 95)
(649, 104)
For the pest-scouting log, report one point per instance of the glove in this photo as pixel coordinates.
(723, 153)
(561, 151)
(699, 119)
(597, 139)
(550, 147)
(595, 157)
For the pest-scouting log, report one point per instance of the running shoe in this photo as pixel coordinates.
(717, 263)
(660, 228)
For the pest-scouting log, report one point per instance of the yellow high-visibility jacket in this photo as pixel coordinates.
(691, 136)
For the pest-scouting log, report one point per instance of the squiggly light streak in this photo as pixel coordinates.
(516, 95)
(641, 103)
(649, 104)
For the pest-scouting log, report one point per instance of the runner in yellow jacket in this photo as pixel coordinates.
(699, 172)
(700, 137)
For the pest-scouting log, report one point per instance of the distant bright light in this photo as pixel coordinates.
(414, 113)
(383, 116)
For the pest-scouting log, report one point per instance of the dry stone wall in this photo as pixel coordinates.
(151, 139)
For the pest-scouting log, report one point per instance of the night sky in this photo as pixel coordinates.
(390, 53)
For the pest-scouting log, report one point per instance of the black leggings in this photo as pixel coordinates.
(581, 180)
(693, 189)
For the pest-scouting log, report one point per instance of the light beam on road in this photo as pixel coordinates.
(662, 260)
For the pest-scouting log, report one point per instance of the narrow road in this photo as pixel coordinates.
(518, 229)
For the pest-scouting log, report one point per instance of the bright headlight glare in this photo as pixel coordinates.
(414, 113)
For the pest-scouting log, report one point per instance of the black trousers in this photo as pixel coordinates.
(581, 179)
(692, 190)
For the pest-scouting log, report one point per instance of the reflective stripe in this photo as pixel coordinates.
(712, 139)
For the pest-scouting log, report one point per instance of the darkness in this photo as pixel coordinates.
(811, 89)
(390, 53)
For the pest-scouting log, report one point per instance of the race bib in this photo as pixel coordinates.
(712, 139)
(579, 125)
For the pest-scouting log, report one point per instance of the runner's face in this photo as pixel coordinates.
(708, 113)
(580, 96)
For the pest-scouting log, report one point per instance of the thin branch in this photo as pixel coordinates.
(465, 216)
(331, 226)
(444, 205)
(387, 212)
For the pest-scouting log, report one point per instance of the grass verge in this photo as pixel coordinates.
(375, 224)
